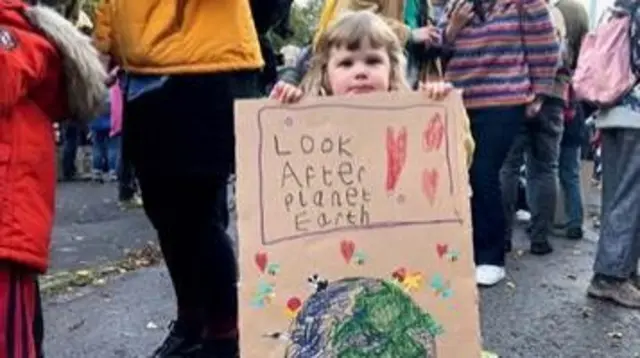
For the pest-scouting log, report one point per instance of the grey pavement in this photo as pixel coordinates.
(90, 229)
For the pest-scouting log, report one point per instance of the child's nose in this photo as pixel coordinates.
(362, 71)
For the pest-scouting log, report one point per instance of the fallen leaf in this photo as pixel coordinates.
(511, 285)
(586, 312)
(83, 273)
(100, 282)
(152, 325)
(76, 326)
(78, 238)
(572, 277)
(487, 354)
(520, 253)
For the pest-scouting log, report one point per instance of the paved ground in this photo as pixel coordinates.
(91, 229)
(541, 311)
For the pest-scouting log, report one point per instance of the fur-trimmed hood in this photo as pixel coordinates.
(84, 73)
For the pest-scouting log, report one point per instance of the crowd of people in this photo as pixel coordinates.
(156, 89)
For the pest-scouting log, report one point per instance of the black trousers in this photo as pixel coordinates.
(181, 141)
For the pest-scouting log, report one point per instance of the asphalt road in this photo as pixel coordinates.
(540, 311)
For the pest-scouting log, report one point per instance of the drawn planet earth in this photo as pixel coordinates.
(362, 318)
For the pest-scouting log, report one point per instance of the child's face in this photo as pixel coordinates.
(364, 70)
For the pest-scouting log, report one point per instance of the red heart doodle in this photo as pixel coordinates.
(442, 249)
(433, 134)
(293, 304)
(347, 247)
(261, 260)
(399, 274)
(430, 184)
(396, 156)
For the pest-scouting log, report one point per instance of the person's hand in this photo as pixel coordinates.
(427, 35)
(459, 18)
(533, 108)
(436, 90)
(286, 93)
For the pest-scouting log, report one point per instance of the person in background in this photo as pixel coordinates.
(577, 23)
(73, 134)
(439, 9)
(35, 90)
(104, 148)
(538, 147)
(270, 16)
(615, 269)
(127, 186)
(178, 132)
(498, 100)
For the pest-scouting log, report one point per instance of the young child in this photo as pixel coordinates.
(359, 53)
(48, 72)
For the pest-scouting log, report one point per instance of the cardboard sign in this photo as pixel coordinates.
(354, 229)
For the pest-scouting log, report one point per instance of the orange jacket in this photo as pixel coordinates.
(178, 36)
(32, 94)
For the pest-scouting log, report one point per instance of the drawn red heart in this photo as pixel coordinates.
(430, 184)
(261, 260)
(293, 304)
(396, 156)
(399, 274)
(442, 249)
(347, 247)
(433, 134)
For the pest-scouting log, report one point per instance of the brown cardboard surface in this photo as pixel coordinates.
(354, 229)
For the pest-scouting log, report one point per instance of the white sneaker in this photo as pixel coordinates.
(489, 275)
(523, 216)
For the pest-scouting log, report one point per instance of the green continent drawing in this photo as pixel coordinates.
(362, 318)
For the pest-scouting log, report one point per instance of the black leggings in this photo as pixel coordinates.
(190, 214)
(181, 143)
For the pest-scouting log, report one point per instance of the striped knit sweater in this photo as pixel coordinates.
(509, 58)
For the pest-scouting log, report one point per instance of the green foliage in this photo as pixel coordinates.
(303, 22)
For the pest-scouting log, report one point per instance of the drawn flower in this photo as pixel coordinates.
(441, 287)
(412, 281)
(265, 293)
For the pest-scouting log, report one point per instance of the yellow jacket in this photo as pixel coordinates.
(178, 36)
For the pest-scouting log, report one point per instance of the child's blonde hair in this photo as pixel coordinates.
(349, 31)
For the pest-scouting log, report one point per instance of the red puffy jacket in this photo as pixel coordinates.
(32, 96)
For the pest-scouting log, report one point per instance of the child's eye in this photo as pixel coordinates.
(374, 60)
(345, 63)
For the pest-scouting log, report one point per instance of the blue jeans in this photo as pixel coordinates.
(127, 186)
(494, 130)
(619, 244)
(104, 151)
(537, 145)
(569, 174)
(70, 138)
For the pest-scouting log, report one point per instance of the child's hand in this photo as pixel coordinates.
(286, 93)
(436, 90)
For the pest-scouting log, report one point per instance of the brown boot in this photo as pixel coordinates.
(621, 292)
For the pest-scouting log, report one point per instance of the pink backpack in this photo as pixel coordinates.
(604, 74)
